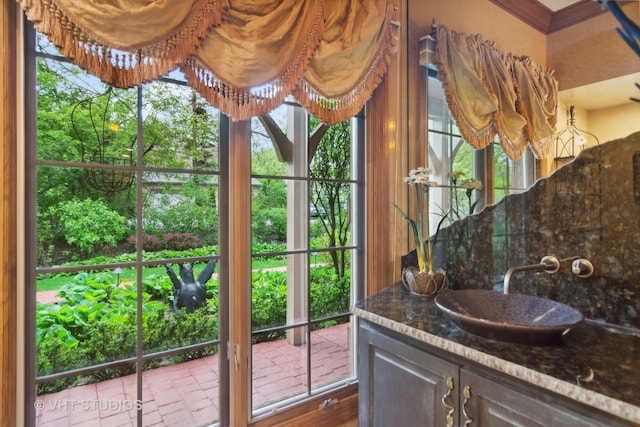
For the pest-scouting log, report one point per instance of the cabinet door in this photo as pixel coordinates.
(494, 405)
(400, 385)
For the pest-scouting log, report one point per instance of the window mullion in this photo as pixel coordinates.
(239, 167)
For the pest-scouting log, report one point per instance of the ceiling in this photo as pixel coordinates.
(552, 15)
(556, 5)
(605, 94)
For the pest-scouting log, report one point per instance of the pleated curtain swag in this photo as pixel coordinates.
(243, 56)
(491, 93)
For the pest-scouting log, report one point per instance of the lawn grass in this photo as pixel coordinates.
(129, 275)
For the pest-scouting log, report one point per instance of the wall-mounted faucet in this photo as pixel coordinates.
(548, 263)
(580, 267)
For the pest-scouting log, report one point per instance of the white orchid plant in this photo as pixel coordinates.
(420, 178)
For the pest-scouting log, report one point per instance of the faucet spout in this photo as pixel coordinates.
(550, 264)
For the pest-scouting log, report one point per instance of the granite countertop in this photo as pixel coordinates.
(612, 353)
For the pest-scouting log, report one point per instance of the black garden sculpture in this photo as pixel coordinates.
(188, 292)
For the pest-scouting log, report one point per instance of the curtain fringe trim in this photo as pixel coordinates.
(237, 104)
(117, 67)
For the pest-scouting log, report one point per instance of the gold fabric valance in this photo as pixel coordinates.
(249, 65)
(244, 56)
(125, 43)
(490, 92)
(353, 56)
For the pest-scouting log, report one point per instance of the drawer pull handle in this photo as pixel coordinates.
(467, 395)
(446, 405)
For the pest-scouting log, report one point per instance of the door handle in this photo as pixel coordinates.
(451, 408)
(467, 396)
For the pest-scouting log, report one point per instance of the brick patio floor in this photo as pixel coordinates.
(187, 394)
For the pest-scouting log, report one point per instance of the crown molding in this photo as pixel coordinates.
(574, 14)
(543, 19)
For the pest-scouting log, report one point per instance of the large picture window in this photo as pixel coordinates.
(129, 268)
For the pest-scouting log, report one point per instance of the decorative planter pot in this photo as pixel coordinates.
(424, 283)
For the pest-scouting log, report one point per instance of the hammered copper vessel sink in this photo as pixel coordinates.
(516, 318)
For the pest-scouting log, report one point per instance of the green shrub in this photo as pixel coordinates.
(54, 354)
(269, 225)
(329, 296)
(329, 293)
(268, 303)
(182, 209)
(90, 223)
(164, 331)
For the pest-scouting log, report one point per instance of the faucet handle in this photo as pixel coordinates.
(582, 268)
(551, 264)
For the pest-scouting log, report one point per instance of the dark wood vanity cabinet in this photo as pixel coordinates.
(402, 383)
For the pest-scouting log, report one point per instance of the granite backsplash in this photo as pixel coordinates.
(588, 208)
